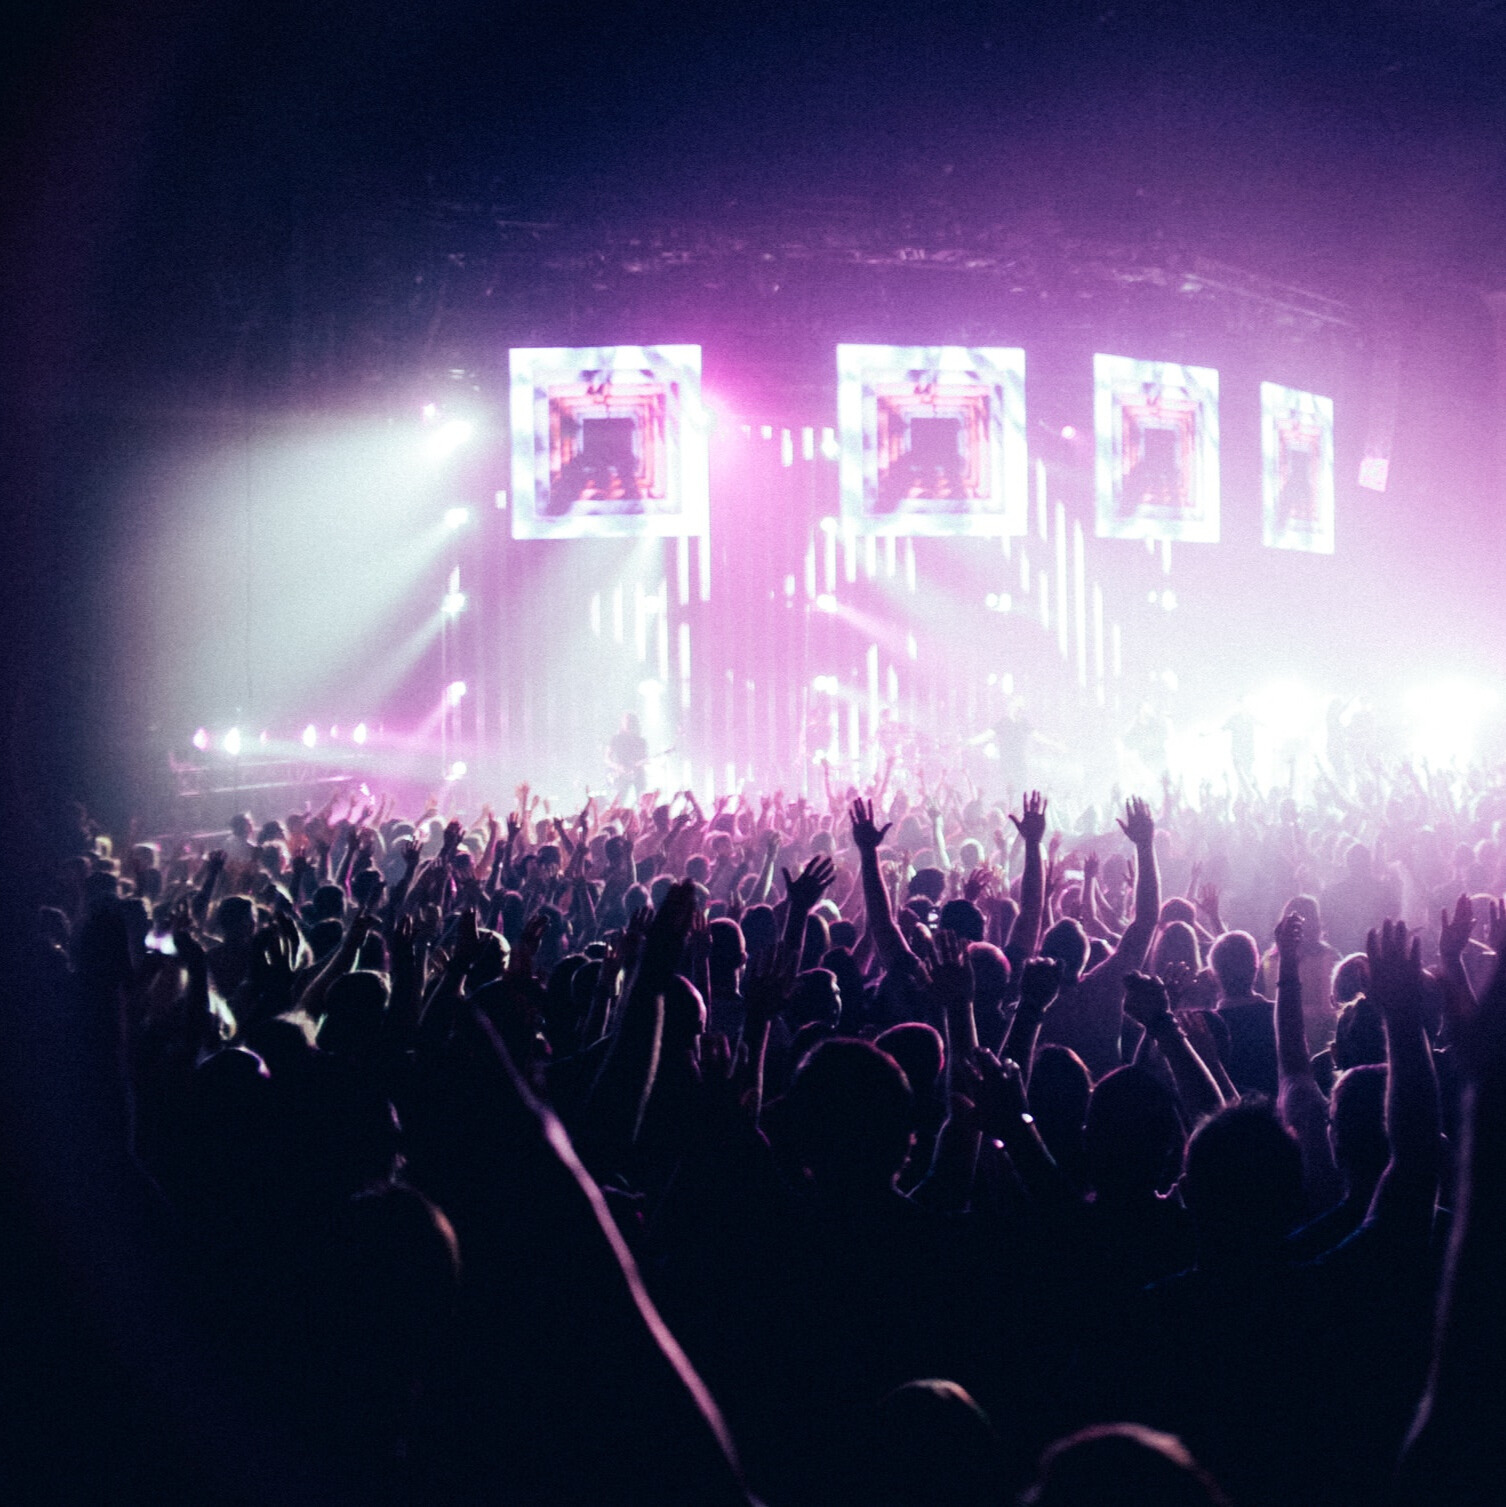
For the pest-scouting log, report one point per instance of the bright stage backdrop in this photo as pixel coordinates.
(1156, 438)
(932, 439)
(608, 442)
(1296, 452)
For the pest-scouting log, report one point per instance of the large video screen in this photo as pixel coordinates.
(1156, 436)
(608, 442)
(1296, 453)
(932, 439)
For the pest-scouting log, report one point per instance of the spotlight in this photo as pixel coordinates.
(829, 684)
(455, 518)
(310, 736)
(1069, 432)
(232, 744)
(457, 770)
(826, 602)
(448, 438)
(828, 525)
(359, 735)
(201, 739)
(455, 692)
(429, 411)
(453, 604)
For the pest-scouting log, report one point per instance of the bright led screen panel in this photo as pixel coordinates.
(1155, 428)
(608, 442)
(1296, 454)
(932, 439)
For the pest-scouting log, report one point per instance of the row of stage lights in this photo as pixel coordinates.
(234, 742)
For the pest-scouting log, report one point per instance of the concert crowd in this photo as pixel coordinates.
(901, 1149)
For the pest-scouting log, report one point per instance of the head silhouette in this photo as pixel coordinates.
(850, 1108)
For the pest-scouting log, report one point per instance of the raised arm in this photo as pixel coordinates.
(1301, 1102)
(1146, 1000)
(1409, 1186)
(626, 1079)
(1027, 927)
(801, 894)
(1456, 1455)
(1040, 982)
(888, 942)
(938, 834)
(1140, 827)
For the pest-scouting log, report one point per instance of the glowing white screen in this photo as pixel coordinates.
(1296, 456)
(932, 439)
(1155, 427)
(608, 442)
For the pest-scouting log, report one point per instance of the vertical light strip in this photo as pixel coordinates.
(873, 691)
(1061, 580)
(662, 627)
(1098, 639)
(1080, 604)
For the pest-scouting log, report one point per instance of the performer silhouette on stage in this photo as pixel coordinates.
(627, 756)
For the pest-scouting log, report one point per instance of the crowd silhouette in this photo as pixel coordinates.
(895, 1150)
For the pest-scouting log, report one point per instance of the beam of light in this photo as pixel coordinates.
(453, 604)
(456, 518)
(232, 744)
(455, 692)
(447, 438)
(351, 499)
(310, 736)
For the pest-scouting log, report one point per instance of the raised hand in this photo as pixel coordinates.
(699, 940)
(1496, 928)
(764, 985)
(866, 834)
(467, 941)
(1453, 934)
(1207, 902)
(1089, 871)
(1040, 982)
(1032, 825)
(978, 883)
(520, 960)
(1138, 824)
(812, 882)
(1177, 976)
(951, 972)
(998, 1089)
(1395, 968)
(1146, 1000)
(1289, 940)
